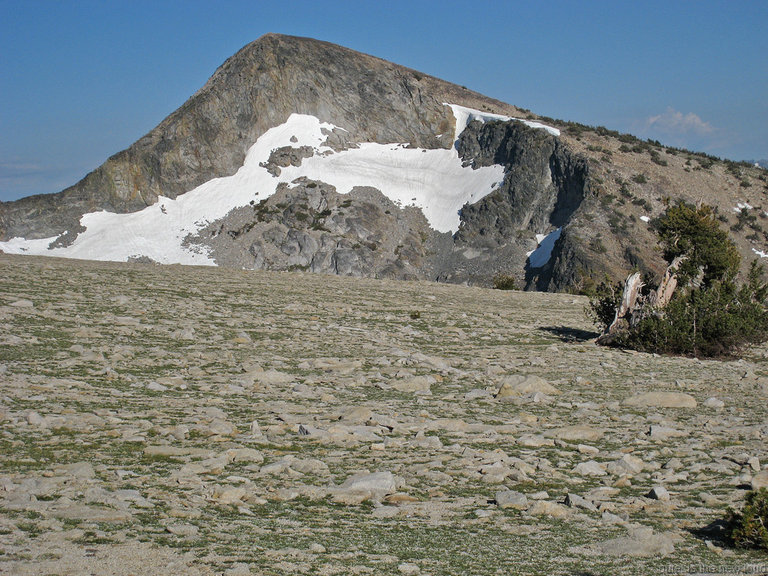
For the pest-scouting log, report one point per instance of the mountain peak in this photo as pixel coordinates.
(300, 153)
(256, 89)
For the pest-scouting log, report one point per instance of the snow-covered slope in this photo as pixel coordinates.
(433, 180)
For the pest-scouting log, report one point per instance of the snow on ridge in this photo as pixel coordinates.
(539, 257)
(760, 253)
(433, 180)
(466, 115)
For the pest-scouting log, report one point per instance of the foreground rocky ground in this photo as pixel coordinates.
(169, 420)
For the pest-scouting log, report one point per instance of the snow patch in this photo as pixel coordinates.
(466, 115)
(645, 218)
(760, 253)
(543, 253)
(742, 206)
(433, 180)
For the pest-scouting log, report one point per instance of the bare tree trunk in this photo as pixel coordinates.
(633, 307)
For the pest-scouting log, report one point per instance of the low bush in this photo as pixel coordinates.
(749, 528)
(709, 314)
(504, 282)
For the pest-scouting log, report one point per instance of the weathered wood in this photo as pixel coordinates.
(634, 306)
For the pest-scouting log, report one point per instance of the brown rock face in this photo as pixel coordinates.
(254, 90)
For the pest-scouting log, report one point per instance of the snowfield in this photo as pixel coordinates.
(433, 180)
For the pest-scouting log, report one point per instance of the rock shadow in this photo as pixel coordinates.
(568, 334)
(716, 532)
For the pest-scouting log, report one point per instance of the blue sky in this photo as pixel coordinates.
(82, 80)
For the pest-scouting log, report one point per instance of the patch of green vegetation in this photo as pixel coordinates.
(709, 314)
(749, 528)
(504, 282)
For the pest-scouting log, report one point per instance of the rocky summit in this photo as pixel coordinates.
(192, 420)
(298, 154)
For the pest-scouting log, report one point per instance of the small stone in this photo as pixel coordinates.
(714, 403)
(82, 470)
(272, 377)
(590, 468)
(662, 433)
(317, 548)
(517, 385)
(229, 494)
(659, 493)
(358, 415)
(184, 530)
(378, 482)
(545, 508)
(713, 548)
(219, 427)
(238, 569)
(641, 543)
(416, 384)
(34, 419)
(408, 569)
(534, 441)
(576, 501)
(710, 500)
(511, 499)
(760, 480)
(662, 400)
(610, 518)
(400, 498)
(577, 432)
(627, 464)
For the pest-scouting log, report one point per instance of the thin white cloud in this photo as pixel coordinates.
(676, 123)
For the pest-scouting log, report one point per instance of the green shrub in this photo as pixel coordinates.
(749, 528)
(709, 314)
(504, 282)
(713, 322)
(604, 300)
(685, 230)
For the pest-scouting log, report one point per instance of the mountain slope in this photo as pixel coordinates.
(302, 154)
(256, 89)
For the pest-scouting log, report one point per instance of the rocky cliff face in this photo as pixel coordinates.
(256, 89)
(544, 185)
(590, 191)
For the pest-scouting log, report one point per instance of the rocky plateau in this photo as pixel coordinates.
(199, 420)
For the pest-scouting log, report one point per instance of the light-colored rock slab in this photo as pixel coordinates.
(662, 400)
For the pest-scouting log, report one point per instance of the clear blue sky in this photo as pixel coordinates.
(81, 80)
